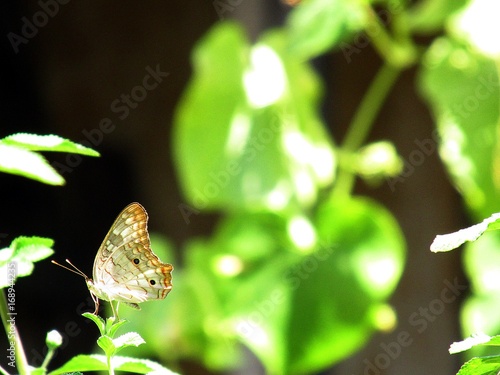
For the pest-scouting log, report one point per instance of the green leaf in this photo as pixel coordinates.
(267, 144)
(86, 363)
(17, 260)
(128, 339)
(430, 16)
(99, 322)
(16, 160)
(362, 271)
(107, 345)
(316, 26)
(357, 263)
(462, 88)
(481, 366)
(469, 342)
(476, 24)
(18, 155)
(112, 326)
(453, 240)
(54, 143)
(482, 265)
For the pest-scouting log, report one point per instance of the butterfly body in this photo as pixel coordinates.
(125, 268)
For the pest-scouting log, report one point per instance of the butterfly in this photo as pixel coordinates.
(125, 268)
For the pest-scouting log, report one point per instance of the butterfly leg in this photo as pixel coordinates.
(96, 303)
(115, 311)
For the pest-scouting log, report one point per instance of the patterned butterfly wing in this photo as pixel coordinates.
(125, 267)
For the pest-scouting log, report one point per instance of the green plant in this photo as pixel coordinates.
(19, 155)
(293, 243)
(478, 341)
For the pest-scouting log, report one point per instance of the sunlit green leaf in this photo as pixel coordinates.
(18, 259)
(18, 155)
(336, 289)
(316, 26)
(128, 339)
(54, 143)
(86, 363)
(483, 365)
(453, 240)
(22, 162)
(267, 144)
(430, 16)
(107, 345)
(478, 25)
(463, 91)
(474, 340)
(481, 262)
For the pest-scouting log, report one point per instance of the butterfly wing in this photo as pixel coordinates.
(125, 267)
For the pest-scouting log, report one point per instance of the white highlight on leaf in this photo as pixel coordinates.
(469, 342)
(453, 240)
(265, 80)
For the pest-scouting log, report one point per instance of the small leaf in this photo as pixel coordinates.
(85, 363)
(140, 366)
(453, 240)
(128, 339)
(112, 326)
(18, 155)
(316, 26)
(106, 343)
(468, 343)
(82, 363)
(481, 365)
(35, 142)
(97, 320)
(18, 161)
(17, 260)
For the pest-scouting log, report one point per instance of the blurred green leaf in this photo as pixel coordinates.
(267, 145)
(482, 265)
(335, 289)
(477, 25)
(463, 91)
(430, 16)
(18, 259)
(316, 26)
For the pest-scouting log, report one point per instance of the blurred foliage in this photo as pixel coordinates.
(293, 246)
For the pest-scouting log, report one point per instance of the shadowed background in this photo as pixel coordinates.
(64, 80)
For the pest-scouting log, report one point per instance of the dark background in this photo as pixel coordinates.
(63, 81)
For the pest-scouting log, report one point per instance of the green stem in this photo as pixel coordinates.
(11, 331)
(47, 359)
(3, 371)
(363, 121)
(111, 370)
(397, 50)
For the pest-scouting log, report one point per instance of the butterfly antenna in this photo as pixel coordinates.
(78, 271)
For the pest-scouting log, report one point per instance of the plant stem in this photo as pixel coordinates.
(3, 371)
(111, 370)
(11, 330)
(47, 359)
(363, 121)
